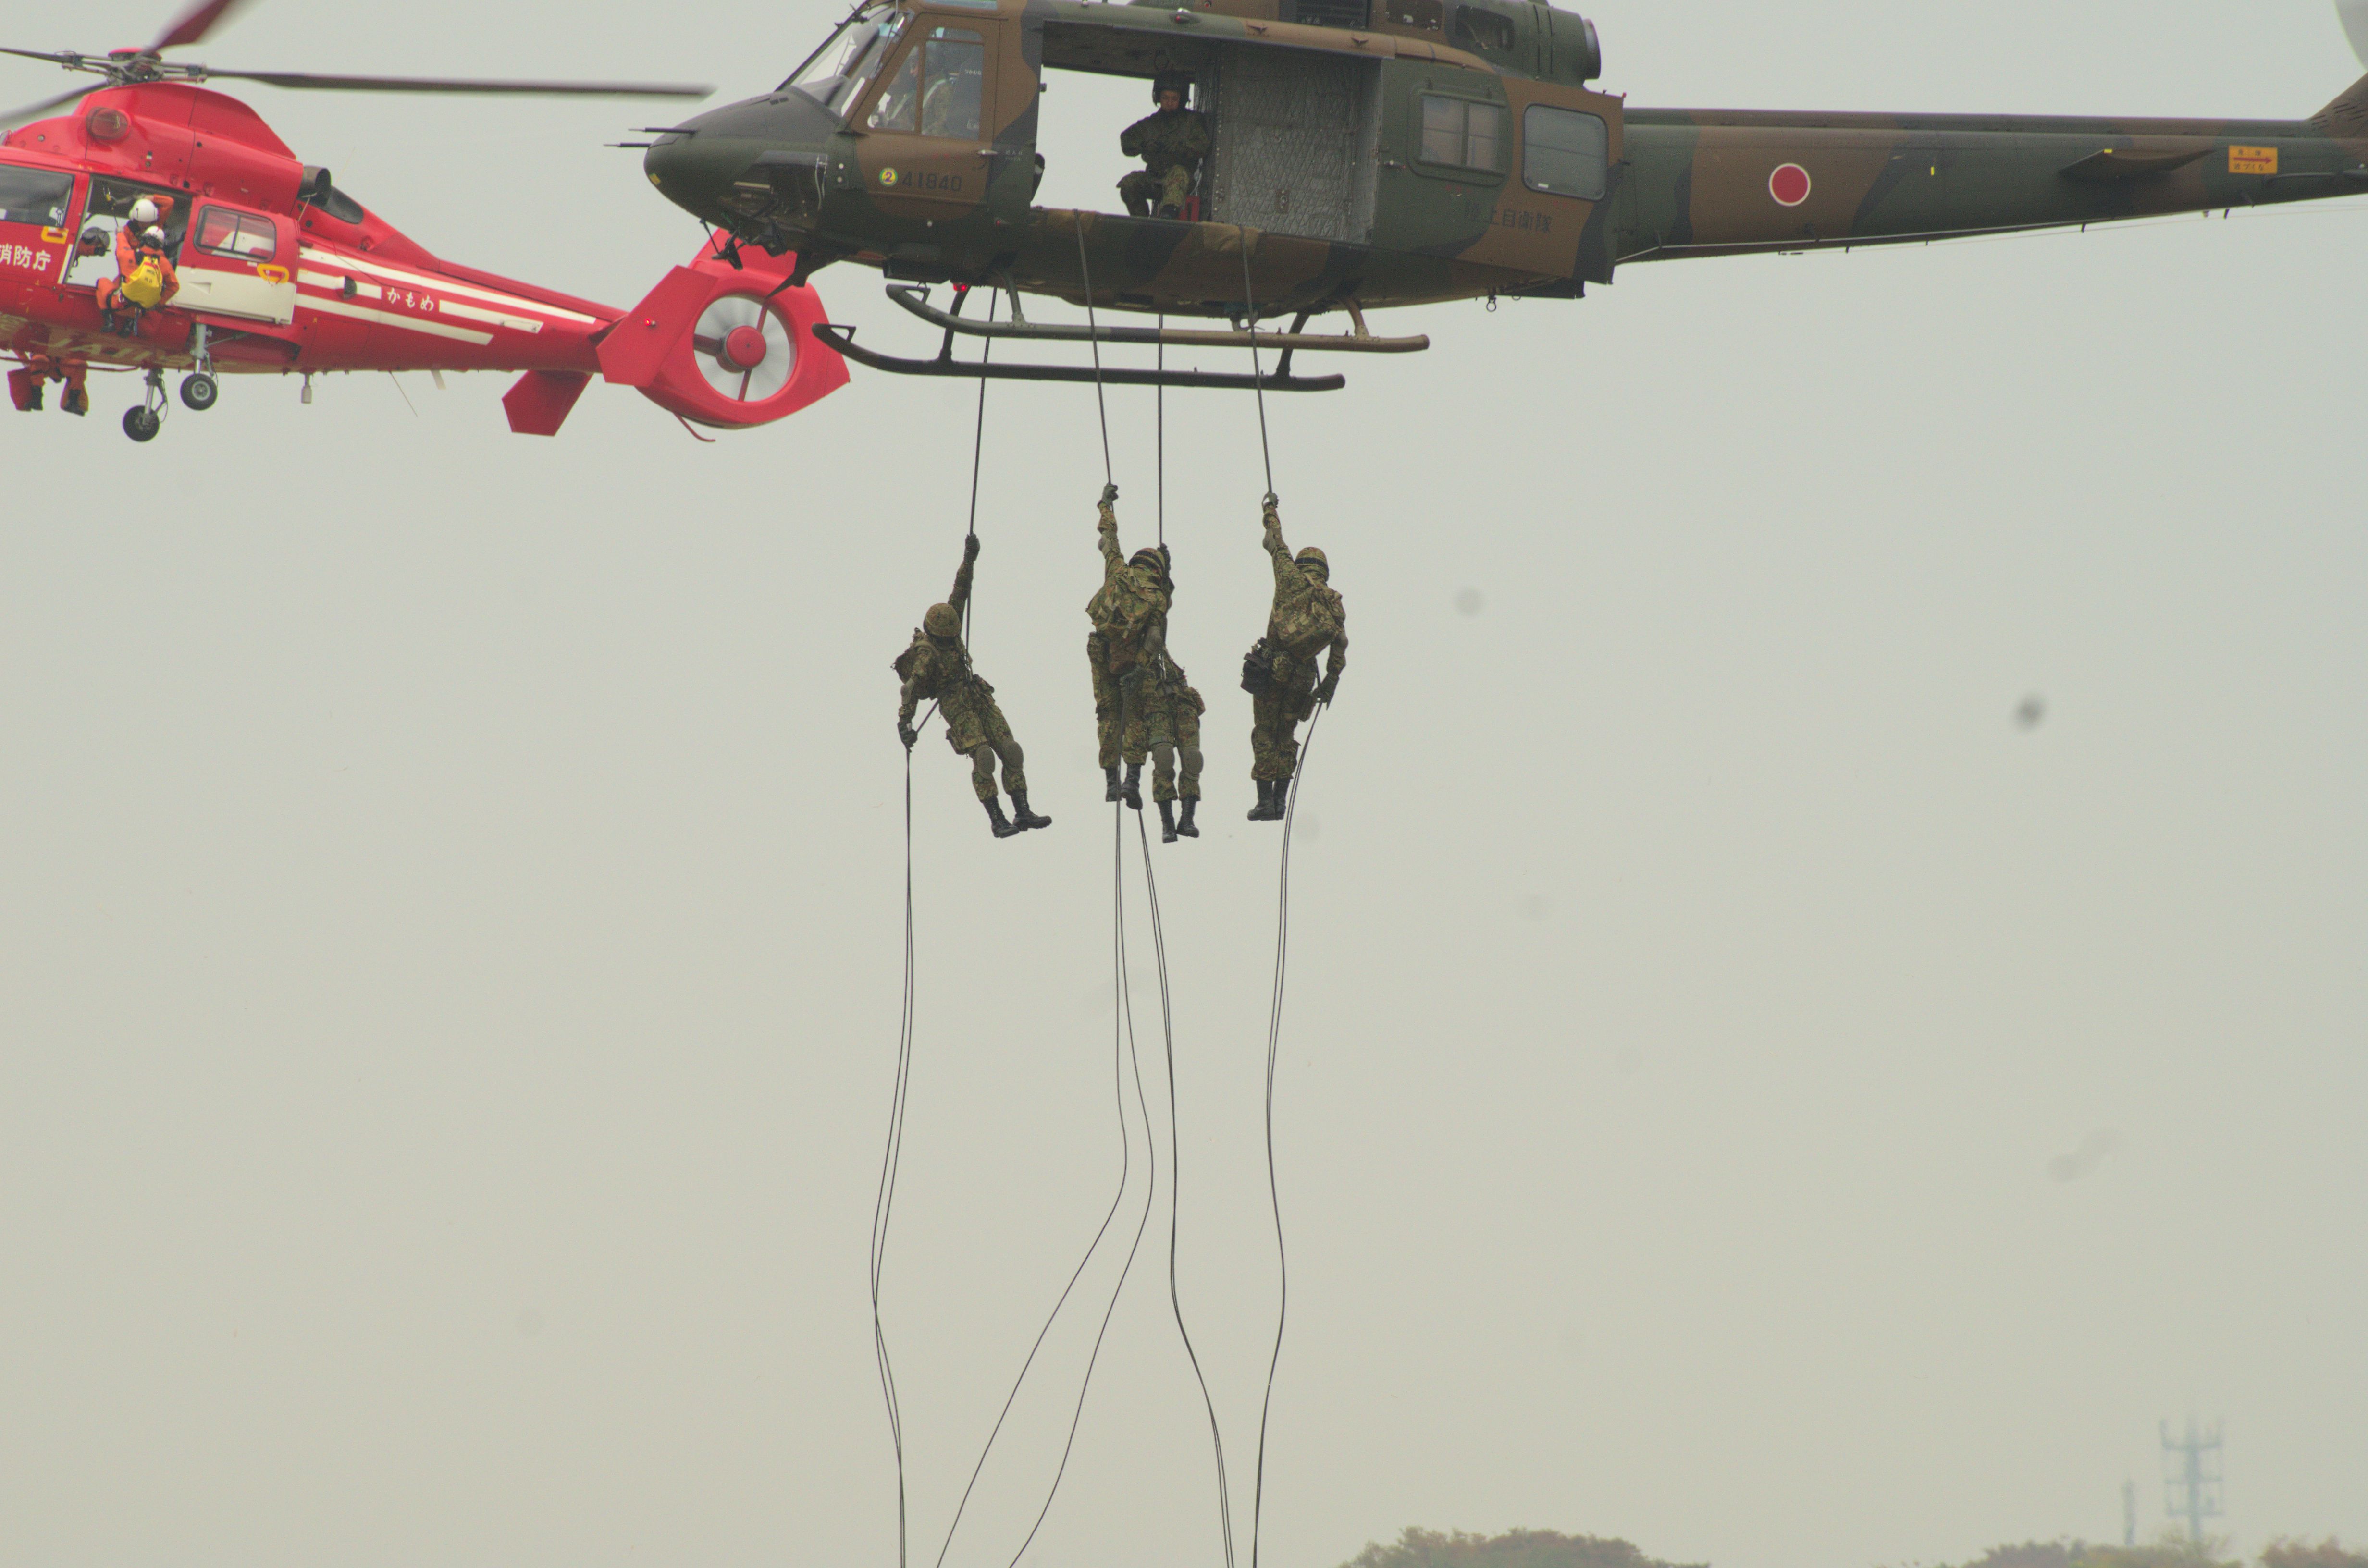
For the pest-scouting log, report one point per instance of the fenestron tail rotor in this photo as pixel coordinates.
(745, 350)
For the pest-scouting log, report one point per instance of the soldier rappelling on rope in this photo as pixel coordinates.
(1127, 650)
(936, 667)
(1179, 709)
(1280, 672)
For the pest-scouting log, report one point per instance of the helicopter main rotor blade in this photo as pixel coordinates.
(63, 57)
(15, 118)
(308, 81)
(194, 24)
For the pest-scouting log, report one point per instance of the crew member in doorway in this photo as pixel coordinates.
(1279, 673)
(936, 668)
(1179, 709)
(1171, 144)
(1129, 637)
(145, 280)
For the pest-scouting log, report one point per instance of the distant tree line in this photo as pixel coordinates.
(2170, 1551)
(1549, 1549)
(1516, 1549)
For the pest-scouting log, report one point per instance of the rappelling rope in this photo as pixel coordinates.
(1273, 1044)
(1159, 426)
(1124, 1025)
(1258, 376)
(1094, 335)
(1282, 967)
(885, 1200)
(1124, 1054)
(885, 1197)
(1176, 1191)
(978, 437)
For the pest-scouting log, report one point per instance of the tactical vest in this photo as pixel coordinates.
(1123, 611)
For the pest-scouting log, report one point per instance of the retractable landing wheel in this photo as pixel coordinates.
(199, 389)
(142, 423)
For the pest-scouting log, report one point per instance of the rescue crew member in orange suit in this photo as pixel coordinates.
(25, 384)
(141, 239)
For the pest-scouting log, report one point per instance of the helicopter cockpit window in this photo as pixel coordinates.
(1564, 152)
(1477, 29)
(1461, 134)
(842, 68)
(245, 236)
(34, 195)
(937, 88)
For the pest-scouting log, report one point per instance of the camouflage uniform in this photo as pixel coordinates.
(1124, 724)
(1177, 711)
(1308, 617)
(1171, 147)
(937, 668)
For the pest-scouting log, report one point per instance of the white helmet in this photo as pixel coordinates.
(144, 212)
(154, 236)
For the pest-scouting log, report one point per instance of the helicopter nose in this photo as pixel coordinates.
(701, 164)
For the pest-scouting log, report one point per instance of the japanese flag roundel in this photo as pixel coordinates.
(1789, 185)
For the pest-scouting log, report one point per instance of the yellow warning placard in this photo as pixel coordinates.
(2252, 160)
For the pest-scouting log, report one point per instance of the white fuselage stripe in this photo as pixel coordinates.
(385, 318)
(441, 285)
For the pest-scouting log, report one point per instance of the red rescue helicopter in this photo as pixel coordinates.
(280, 272)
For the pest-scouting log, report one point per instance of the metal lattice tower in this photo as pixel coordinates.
(2191, 1475)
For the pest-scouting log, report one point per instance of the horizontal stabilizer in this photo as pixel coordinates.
(2131, 163)
(541, 400)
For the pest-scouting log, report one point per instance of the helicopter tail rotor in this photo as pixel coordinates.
(724, 348)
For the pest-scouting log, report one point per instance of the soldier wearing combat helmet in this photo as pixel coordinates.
(936, 668)
(1171, 144)
(1125, 649)
(1307, 618)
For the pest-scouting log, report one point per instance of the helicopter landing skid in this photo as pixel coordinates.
(842, 338)
(916, 299)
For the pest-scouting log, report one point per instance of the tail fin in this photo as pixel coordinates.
(2348, 115)
(725, 346)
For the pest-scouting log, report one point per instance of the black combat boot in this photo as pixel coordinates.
(77, 401)
(1167, 822)
(1132, 791)
(1266, 793)
(1023, 819)
(994, 818)
(1184, 828)
(33, 403)
(1110, 782)
(106, 321)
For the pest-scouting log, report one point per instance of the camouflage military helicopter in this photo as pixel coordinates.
(1376, 152)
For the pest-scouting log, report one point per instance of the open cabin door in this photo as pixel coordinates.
(238, 263)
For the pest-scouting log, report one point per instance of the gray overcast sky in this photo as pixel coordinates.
(450, 919)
